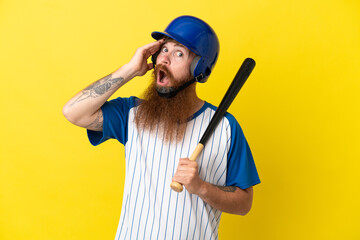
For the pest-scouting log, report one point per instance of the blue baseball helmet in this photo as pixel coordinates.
(198, 37)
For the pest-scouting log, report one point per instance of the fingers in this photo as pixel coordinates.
(152, 47)
(187, 162)
(150, 66)
(138, 62)
(188, 175)
(186, 171)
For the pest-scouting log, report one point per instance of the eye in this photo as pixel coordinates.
(164, 49)
(179, 54)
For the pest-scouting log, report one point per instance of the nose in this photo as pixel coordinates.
(163, 58)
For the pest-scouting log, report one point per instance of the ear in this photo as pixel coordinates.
(193, 65)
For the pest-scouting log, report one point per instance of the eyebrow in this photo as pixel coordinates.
(177, 44)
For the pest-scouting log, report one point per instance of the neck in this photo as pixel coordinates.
(197, 103)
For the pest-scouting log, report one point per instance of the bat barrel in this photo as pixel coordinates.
(239, 80)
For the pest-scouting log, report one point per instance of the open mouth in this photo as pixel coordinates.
(163, 78)
(162, 75)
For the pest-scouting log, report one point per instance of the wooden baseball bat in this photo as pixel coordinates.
(234, 88)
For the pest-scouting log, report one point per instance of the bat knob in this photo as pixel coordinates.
(177, 187)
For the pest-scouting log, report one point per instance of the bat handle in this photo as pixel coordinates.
(178, 187)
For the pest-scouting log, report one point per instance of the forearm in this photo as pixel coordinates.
(84, 108)
(228, 199)
(86, 103)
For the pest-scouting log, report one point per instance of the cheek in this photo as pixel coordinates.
(181, 70)
(184, 73)
(186, 68)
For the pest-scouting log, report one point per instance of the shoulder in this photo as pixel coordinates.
(228, 116)
(233, 123)
(121, 105)
(129, 102)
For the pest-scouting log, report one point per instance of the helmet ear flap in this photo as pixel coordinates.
(197, 71)
(194, 64)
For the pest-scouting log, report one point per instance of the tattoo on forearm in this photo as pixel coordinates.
(97, 124)
(227, 188)
(99, 88)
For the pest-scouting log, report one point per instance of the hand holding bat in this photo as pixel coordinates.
(187, 173)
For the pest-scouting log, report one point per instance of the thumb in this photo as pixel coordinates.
(150, 66)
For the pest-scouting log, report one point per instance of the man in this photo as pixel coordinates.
(160, 131)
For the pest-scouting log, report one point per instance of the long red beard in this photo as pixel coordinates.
(168, 115)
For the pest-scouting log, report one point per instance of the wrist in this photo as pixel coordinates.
(203, 190)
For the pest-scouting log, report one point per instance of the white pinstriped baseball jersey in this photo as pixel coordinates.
(150, 209)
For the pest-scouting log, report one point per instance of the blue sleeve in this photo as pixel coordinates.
(241, 169)
(115, 121)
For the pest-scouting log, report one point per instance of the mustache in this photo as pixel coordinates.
(162, 67)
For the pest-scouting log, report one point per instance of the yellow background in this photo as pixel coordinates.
(299, 111)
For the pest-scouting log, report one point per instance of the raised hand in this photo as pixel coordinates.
(138, 62)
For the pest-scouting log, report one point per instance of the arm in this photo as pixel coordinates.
(228, 199)
(84, 109)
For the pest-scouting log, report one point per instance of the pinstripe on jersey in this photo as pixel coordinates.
(150, 209)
